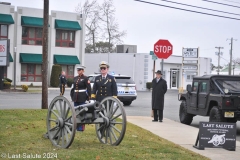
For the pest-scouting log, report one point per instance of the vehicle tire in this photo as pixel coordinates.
(185, 117)
(215, 115)
(127, 103)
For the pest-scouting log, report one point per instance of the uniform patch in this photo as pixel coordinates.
(97, 80)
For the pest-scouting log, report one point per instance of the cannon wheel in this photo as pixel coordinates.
(113, 129)
(61, 122)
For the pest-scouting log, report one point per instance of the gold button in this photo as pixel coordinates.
(101, 94)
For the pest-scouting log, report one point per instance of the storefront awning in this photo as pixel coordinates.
(65, 59)
(69, 25)
(31, 21)
(30, 58)
(6, 19)
(10, 57)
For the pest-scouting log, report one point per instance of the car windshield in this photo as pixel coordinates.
(233, 86)
(124, 80)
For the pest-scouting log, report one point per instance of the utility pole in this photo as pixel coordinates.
(230, 64)
(218, 54)
(45, 55)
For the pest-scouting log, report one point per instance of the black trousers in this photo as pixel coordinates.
(158, 114)
(62, 89)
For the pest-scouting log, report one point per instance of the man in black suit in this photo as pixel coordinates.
(159, 88)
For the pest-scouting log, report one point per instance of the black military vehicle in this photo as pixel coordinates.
(216, 96)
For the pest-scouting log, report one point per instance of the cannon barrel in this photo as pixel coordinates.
(94, 105)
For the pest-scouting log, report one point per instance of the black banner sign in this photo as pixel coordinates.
(217, 135)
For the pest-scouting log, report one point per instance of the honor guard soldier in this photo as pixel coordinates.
(104, 85)
(81, 91)
(81, 88)
(62, 83)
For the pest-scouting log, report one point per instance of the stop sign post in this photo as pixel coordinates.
(163, 49)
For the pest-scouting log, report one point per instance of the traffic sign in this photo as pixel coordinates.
(163, 49)
(154, 57)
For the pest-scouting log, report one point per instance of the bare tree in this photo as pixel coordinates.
(236, 61)
(110, 26)
(91, 11)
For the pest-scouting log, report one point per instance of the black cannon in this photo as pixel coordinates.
(108, 116)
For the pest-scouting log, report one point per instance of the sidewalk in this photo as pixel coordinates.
(184, 136)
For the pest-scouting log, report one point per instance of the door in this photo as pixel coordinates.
(194, 93)
(174, 79)
(202, 95)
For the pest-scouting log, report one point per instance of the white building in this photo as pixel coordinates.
(140, 67)
(24, 29)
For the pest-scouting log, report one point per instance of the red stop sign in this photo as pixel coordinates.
(163, 49)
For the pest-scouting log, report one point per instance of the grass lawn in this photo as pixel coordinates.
(21, 134)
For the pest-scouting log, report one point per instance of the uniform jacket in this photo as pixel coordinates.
(104, 88)
(158, 90)
(62, 80)
(80, 83)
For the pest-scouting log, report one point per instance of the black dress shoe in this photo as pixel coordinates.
(160, 120)
(154, 120)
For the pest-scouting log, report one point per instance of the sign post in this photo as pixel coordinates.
(190, 63)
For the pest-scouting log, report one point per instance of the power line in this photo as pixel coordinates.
(222, 3)
(231, 1)
(200, 7)
(187, 10)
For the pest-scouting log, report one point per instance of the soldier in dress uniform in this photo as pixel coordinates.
(81, 91)
(104, 85)
(62, 83)
(81, 88)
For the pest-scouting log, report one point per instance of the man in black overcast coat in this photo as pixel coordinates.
(159, 88)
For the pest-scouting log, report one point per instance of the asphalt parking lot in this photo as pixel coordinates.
(139, 107)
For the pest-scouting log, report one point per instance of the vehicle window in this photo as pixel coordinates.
(232, 85)
(91, 79)
(124, 80)
(203, 87)
(195, 86)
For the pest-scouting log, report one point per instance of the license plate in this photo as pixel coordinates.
(229, 114)
(126, 89)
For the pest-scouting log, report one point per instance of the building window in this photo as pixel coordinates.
(65, 38)
(3, 31)
(32, 36)
(68, 70)
(31, 73)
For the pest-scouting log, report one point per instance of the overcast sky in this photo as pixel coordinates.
(146, 24)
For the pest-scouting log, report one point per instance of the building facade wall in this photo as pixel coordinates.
(8, 9)
(140, 67)
(15, 36)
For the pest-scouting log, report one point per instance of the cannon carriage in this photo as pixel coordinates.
(63, 118)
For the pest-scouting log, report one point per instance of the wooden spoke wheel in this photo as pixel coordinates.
(61, 122)
(113, 129)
